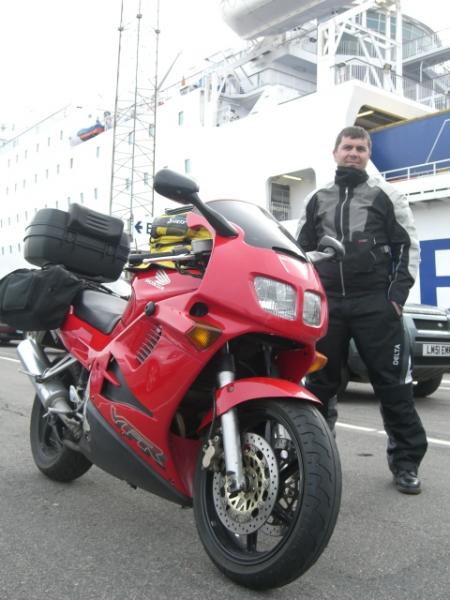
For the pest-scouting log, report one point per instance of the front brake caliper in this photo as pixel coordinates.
(212, 454)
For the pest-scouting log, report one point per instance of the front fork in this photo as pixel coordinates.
(230, 430)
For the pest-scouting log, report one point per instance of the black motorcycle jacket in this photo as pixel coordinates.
(375, 224)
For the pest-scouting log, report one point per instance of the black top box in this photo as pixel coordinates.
(83, 240)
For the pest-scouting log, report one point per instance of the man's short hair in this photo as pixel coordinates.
(354, 132)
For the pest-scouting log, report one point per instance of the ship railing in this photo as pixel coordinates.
(385, 78)
(421, 170)
(426, 44)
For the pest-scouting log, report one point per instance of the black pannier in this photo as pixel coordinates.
(83, 240)
(37, 300)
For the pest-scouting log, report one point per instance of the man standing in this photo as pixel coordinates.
(366, 293)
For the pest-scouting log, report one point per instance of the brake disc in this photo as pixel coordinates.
(287, 499)
(246, 511)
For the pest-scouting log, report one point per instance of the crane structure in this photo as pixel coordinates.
(134, 117)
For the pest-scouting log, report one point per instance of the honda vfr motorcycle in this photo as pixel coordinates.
(191, 388)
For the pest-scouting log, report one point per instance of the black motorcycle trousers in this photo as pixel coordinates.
(372, 321)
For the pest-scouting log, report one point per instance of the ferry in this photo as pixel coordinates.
(259, 123)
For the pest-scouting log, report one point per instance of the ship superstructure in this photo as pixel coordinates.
(259, 123)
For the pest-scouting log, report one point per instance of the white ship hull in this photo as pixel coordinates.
(254, 142)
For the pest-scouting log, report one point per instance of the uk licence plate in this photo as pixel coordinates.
(436, 350)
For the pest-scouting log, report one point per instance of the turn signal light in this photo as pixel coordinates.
(203, 336)
(320, 360)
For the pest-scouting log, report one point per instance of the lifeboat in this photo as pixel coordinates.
(255, 18)
(90, 132)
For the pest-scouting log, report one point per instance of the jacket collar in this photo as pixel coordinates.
(350, 177)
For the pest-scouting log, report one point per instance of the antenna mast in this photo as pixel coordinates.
(134, 119)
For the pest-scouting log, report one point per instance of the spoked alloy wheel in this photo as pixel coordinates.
(271, 533)
(50, 454)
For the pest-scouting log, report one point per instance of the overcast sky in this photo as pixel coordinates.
(54, 52)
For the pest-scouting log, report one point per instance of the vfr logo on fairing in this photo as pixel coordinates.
(160, 280)
(129, 431)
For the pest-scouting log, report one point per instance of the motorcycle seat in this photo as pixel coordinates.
(100, 310)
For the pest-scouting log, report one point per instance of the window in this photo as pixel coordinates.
(49, 141)
(130, 137)
(280, 205)
(57, 169)
(7, 190)
(127, 184)
(24, 182)
(81, 198)
(35, 178)
(9, 162)
(68, 200)
(180, 118)
(145, 178)
(26, 153)
(97, 151)
(187, 165)
(71, 163)
(61, 134)
(37, 147)
(95, 193)
(46, 173)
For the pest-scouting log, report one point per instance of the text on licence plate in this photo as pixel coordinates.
(436, 350)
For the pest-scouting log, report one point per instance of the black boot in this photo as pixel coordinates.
(407, 482)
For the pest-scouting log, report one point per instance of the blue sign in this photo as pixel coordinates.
(414, 142)
(429, 280)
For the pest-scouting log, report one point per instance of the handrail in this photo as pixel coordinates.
(414, 171)
(427, 43)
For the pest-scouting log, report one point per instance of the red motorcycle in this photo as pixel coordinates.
(191, 387)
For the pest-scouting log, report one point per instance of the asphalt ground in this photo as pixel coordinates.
(96, 538)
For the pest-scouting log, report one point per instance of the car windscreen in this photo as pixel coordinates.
(261, 229)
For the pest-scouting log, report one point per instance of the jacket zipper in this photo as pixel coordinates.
(341, 268)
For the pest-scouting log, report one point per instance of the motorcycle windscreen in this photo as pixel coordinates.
(260, 227)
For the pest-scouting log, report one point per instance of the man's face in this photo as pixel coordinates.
(352, 152)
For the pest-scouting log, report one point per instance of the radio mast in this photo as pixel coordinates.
(134, 118)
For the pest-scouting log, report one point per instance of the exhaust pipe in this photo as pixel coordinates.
(53, 394)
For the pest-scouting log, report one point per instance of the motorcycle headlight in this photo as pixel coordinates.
(276, 297)
(312, 309)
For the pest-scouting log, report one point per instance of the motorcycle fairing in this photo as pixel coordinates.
(256, 388)
(109, 451)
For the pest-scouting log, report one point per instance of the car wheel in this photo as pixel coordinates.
(427, 387)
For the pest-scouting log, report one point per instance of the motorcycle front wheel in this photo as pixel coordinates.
(271, 533)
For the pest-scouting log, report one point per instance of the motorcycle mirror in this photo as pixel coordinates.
(175, 186)
(184, 190)
(327, 243)
(328, 248)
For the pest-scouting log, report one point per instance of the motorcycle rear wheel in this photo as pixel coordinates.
(303, 512)
(50, 455)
